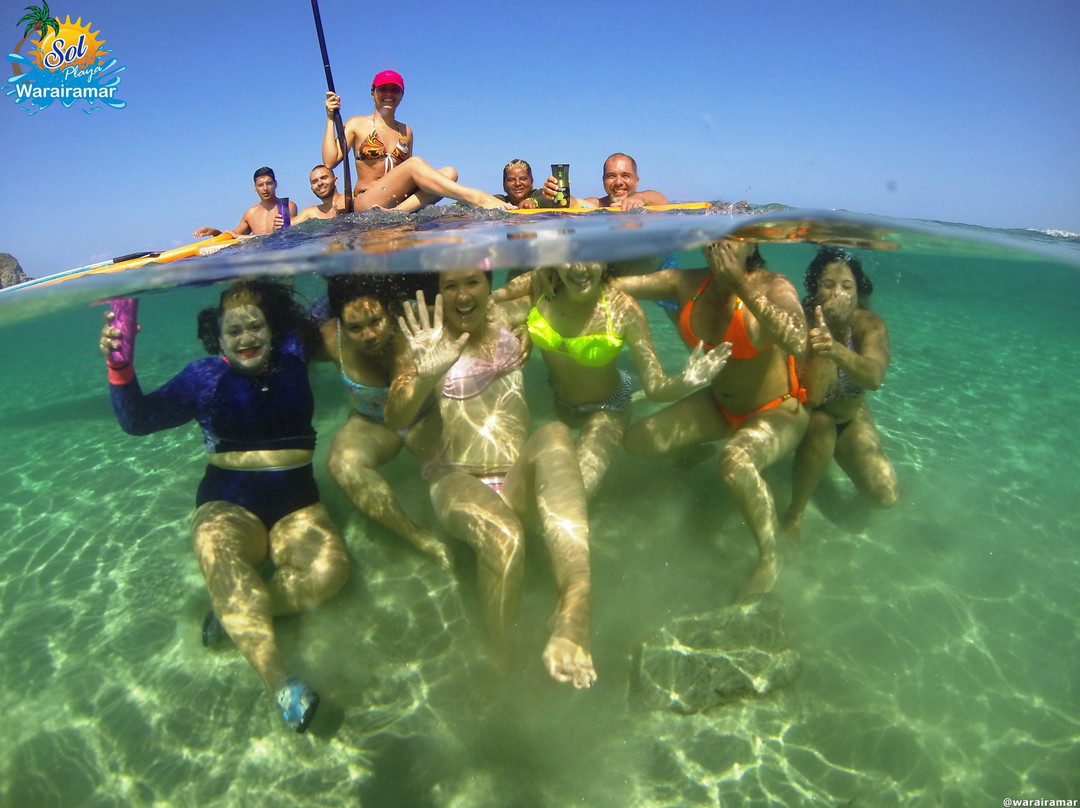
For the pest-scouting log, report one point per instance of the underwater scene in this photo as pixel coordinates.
(922, 655)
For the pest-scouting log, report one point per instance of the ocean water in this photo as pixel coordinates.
(939, 640)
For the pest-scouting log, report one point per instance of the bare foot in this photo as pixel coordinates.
(437, 550)
(768, 570)
(568, 662)
(485, 200)
(791, 527)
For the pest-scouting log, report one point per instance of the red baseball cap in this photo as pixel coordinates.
(388, 77)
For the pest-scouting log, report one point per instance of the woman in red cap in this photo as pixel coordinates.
(387, 173)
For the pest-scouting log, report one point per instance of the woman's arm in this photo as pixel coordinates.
(866, 366)
(700, 369)
(660, 285)
(331, 148)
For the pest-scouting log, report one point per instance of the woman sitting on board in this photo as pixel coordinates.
(581, 321)
(388, 175)
(257, 500)
(491, 472)
(755, 403)
(364, 342)
(849, 354)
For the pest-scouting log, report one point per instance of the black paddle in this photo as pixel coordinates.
(339, 127)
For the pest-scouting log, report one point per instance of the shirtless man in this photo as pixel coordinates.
(491, 471)
(324, 186)
(621, 183)
(261, 218)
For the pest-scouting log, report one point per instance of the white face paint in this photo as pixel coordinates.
(245, 338)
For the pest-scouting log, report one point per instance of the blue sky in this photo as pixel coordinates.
(949, 110)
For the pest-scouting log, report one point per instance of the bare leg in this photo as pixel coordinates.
(861, 455)
(472, 512)
(395, 188)
(552, 469)
(310, 560)
(811, 459)
(600, 437)
(359, 448)
(230, 542)
(693, 420)
(757, 444)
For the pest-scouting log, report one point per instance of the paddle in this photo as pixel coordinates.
(339, 127)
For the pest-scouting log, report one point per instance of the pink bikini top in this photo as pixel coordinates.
(471, 375)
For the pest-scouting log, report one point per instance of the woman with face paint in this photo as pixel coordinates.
(849, 354)
(257, 501)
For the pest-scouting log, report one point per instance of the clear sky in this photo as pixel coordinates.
(954, 110)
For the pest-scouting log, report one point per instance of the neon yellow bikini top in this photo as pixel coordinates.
(591, 350)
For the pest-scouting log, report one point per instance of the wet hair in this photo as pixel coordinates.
(283, 313)
(755, 260)
(550, 282)
(265, 171)
(517, 163)
(487, 273)
(392, 290)
(633, 162)
(832, 255)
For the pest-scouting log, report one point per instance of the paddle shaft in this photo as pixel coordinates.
(339, 127)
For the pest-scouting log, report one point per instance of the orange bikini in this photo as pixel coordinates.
(741, 348)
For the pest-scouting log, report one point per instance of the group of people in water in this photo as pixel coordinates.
(768, 374)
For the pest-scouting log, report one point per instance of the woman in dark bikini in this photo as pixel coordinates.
(849, 354)
(755, 403)
(257, 500)
(392, 177)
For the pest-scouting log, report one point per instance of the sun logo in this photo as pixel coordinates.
(69, 45)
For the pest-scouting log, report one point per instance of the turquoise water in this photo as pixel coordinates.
(939, 640)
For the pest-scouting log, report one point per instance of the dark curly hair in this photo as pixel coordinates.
(389, 289)
(283, 314)
(831, 255)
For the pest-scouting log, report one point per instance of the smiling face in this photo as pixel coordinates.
(837, 292)
(365, 323)
(387, 96)
(245, 337)
(465, 299)
(322, 183)
(620, 179)
(581, 281)
(517, 183)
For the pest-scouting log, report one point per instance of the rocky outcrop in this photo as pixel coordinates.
(10, 271)
(702, 661)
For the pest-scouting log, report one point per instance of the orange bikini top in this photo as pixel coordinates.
(372, 148)
(742, 347)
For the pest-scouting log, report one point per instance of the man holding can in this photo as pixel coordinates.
(621, 183)
(263, 217)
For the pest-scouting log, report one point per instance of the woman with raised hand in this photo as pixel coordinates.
(755, 403)
(491, 472)
(849, 354)
(388, 174)
(257, 500)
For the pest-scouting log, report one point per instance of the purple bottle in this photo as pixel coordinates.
(125, 312)
(283, 209)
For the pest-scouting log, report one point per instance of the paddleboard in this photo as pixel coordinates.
(616, 208)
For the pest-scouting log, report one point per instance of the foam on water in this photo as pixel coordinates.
(939, 639)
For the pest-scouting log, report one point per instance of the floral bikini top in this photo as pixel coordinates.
(591, 350)
(471, 375)
(372, 148)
